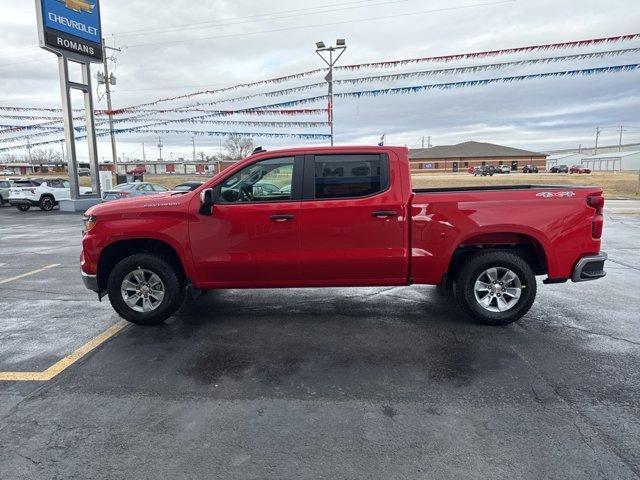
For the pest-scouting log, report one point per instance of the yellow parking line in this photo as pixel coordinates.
(67, 361)
(18, 277)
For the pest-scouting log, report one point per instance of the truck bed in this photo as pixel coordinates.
(494, 187)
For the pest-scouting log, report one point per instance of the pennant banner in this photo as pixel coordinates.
(474, 83)
(493, 53)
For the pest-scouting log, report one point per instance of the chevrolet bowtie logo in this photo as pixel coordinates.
(78, 5)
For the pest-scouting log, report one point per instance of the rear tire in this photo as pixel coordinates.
(141, 274)
(23, 208)
(496, 288)
(47, 203)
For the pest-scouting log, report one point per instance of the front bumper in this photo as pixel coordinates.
(90, 281)
(589, 268)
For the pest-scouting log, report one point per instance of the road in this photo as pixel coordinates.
(374, 383)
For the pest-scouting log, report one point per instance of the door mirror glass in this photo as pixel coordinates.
(206, 201)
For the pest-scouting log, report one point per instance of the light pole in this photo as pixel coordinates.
(321, 48)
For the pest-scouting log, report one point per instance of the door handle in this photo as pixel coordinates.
(384, 213)
(282, 217)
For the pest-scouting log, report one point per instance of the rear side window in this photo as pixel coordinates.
(341, 176)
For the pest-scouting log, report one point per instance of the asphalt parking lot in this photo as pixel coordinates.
(342, 383)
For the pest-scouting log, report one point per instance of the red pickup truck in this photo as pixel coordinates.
(341, 216)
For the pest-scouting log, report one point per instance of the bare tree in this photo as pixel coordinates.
(202, 155)
(237, 147)
(48, 155)
(13, 158)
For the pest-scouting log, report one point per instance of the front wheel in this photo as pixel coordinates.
(145, 289)
(496, 288)
(23, 208)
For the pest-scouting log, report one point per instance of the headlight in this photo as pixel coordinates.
(89, 223)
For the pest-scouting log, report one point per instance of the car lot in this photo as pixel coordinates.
(340, 383)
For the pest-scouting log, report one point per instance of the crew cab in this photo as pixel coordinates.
(44, 194)
(341, 217)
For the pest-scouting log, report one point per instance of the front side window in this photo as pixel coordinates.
(339, 176)
(265, 181)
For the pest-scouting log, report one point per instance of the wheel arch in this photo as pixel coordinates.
(527, 245)
(121, 249)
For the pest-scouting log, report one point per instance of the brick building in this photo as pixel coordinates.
(462, 156)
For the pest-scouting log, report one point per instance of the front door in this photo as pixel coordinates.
(352, 222)
(252, 238)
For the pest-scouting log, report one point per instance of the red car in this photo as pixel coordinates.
(140, 169)
(341, 217)
(579, 169)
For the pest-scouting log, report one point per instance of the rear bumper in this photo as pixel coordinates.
(90, 281)
(16, 202)
(589, 268)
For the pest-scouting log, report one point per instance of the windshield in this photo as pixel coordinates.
(183, 188)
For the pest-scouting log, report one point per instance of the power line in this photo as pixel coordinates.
(344, 22)
(254, 18)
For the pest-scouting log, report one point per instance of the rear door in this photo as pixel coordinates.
(352, 221)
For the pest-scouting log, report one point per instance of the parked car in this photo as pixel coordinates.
(7, 172)
(45, 194)
(5, 185)
(503, 169)
(484, 170)
(127, 190)
(351, 219)
(559, 169)
(186, 186)
(529, 169)
(579, 169)
(84, 172)
(140, 169)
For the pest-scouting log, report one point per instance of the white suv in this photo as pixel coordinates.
(44, 194)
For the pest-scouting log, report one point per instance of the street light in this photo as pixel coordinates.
(321, 49)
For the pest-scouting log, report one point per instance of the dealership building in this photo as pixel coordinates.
(462, 156)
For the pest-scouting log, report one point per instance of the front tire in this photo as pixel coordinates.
(23, 208)
(145, 289)
(496, 288)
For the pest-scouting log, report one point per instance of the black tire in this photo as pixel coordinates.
(174, 290)
(23, 208)
(47, 202)
(473, 269)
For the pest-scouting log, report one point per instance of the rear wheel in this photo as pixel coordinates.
(496, 288)
(47, 203)
(145, 289)
(23, 208)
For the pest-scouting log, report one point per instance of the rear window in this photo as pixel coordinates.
(340, 176)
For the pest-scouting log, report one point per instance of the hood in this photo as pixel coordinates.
(140, 204)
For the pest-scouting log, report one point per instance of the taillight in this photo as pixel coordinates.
(597, 202)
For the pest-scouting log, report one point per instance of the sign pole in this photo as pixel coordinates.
(67, 120)
(90, 125)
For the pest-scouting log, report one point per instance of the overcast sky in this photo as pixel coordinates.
(172, 48)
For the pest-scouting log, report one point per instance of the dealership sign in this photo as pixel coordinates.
(71, 28)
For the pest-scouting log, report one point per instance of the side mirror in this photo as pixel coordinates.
(206, 202)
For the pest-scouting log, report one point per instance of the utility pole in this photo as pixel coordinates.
(160, 147)
(144, 155)
(597, 136)
(29, 150)
(340, 47)
(620, 140)
(193, 142)
(423, 141)
(429, 141)
(108, 81)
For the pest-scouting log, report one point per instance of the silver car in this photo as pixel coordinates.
(128, 190)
